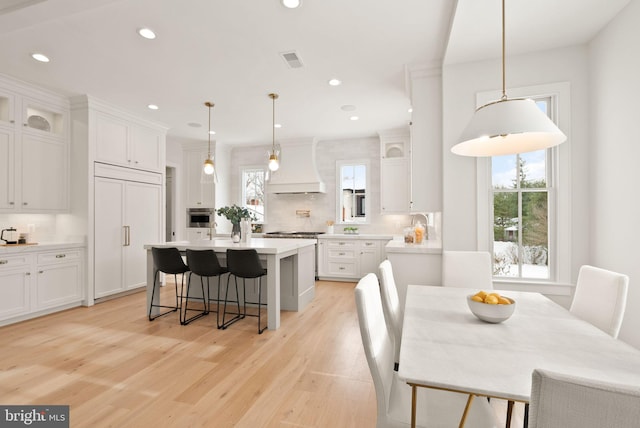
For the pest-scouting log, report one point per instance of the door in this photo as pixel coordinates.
(143, 221)
(109, 236)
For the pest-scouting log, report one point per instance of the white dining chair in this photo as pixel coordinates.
(470, 269)
(601, 298)
(436, 408)
(391, 306)
(563, 401)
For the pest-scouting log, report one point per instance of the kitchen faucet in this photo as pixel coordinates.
(413, 219)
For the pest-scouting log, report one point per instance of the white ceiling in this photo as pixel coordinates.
(227, 52)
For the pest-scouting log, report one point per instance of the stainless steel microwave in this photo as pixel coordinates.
(201, 217)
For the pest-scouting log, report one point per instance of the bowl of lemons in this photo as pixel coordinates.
(491, 307)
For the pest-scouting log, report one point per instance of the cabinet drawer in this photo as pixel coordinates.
(342, 244)
(342, 269)
(62, 256)
(339, 253)
(14, 260)
(370, 245)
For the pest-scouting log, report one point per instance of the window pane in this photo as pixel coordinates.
(535, 238)
(253, 192)
(533, 170)
(503, 172)
(505, 234)
(352, 205)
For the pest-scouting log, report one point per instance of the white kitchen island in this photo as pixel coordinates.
(290, 265)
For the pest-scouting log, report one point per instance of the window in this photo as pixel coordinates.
(522, 208)
(353, 185)
(253, 196)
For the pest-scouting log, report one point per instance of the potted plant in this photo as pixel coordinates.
(235, 214)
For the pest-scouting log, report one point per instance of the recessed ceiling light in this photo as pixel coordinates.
(277, 125)
(147, 33)
(354, 118)
(410, 110)
(40, 57)
(348, 107)
(153, 107)
(291, 4)
(335, 82)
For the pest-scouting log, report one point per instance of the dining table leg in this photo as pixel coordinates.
(509, 413)
(466, 411)
(414, 397)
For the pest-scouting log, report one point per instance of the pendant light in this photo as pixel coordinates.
(508, 126)
(209, 167)
(274, 161)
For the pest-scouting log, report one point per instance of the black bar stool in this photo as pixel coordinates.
(245, 264)
(205, 264)
(168, 261)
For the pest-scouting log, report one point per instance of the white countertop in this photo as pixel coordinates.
(427, 247)
(262, 245)
(41, 246)
(354, 236)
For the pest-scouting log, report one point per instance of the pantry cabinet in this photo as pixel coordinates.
(128, 215)
(349, 258)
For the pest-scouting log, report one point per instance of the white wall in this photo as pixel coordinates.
(281, 209)
(614, 66)
(461, 83)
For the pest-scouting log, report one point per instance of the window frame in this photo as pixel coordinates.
(243, 197)
(559, 173)
(367, 198)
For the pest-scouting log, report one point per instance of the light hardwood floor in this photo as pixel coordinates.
(116, 369)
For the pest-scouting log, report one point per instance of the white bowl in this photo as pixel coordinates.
(491, 313)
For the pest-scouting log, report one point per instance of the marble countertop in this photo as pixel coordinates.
(41, 246)
(262, 245)
(427, 247)
(354, 236)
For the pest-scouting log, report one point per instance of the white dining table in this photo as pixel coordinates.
(445, 346)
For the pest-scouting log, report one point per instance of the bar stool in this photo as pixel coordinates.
(244, 264)
(168, 261)
(205, 264)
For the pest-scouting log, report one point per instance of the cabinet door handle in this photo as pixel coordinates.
(40, 271)
(4, 262)
(27, 273)
(341, 268)
(127, 236)
(341, 243)
(12, 203)
(25, 203)
(341, 254)
(60, 256)
(12, 121)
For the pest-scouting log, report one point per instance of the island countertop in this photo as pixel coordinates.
(261, 245)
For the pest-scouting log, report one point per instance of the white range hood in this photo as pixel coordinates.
(297, 172)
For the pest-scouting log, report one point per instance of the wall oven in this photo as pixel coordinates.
(201, 217)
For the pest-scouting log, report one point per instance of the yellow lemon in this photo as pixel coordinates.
(477, 298)
(503, 301)
(481, 294)
(491, 299)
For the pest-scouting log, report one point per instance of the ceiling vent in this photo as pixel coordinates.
(292, 59)
(12, 5)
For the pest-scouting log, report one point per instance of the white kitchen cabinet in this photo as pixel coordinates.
(128, 214)
(15, 285)
(44, 174)
(121, 142)
(348, 258)
(7, 172)
(34, 149)
(199, 194)
(58, 278)
(395, 185)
